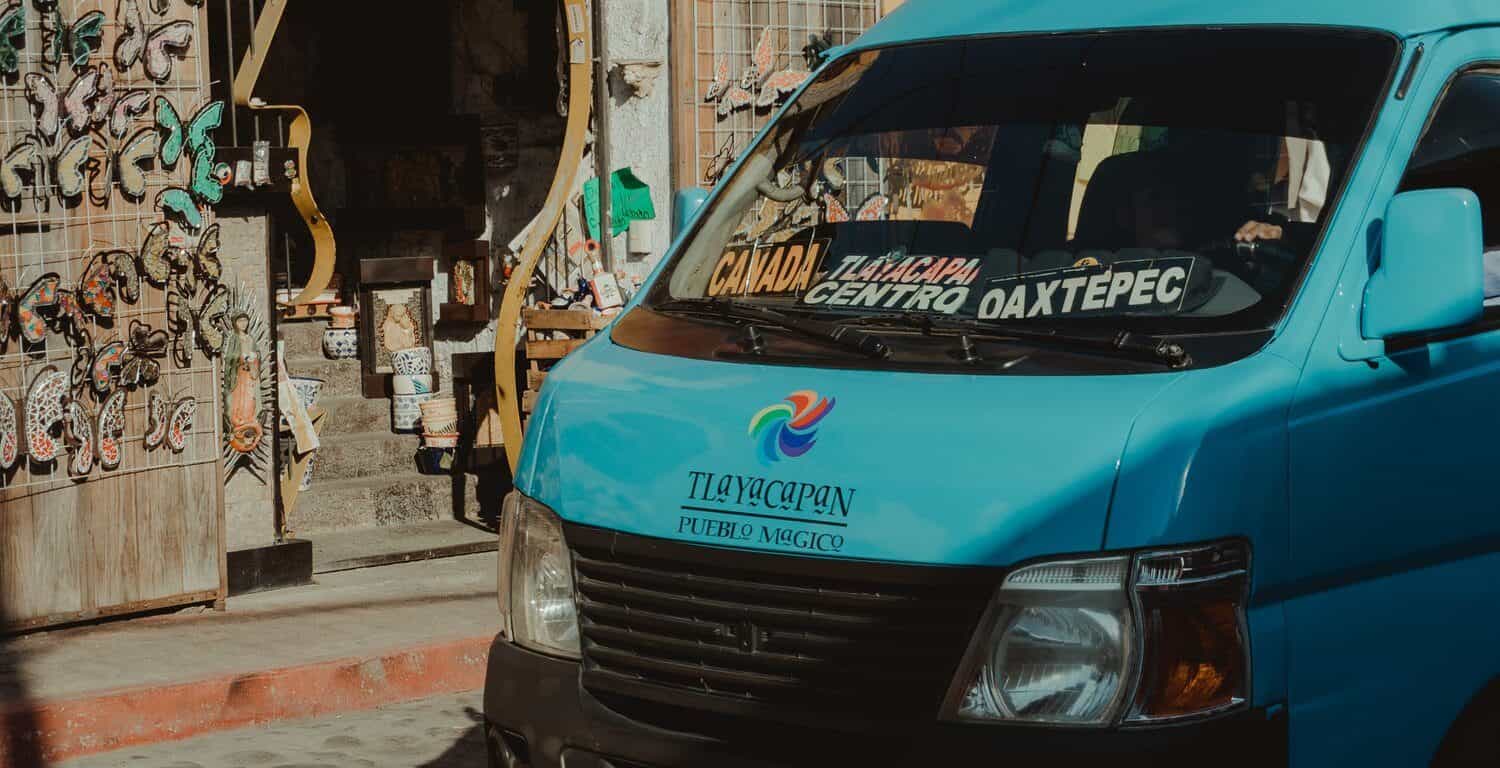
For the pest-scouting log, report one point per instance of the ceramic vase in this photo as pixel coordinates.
(341, 318)
(341, 343)
(406, 411)
(403, 384)
(412, 361)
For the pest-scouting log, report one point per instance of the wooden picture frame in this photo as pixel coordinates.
(395, 293)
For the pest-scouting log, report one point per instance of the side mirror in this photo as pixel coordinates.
(685, 207)
(1431, 273)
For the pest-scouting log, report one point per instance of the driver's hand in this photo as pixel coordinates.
(1256, 230)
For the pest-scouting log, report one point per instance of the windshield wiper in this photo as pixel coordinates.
(834, 334)
(1139, 346)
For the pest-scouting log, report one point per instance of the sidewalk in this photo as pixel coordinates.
(354, 640)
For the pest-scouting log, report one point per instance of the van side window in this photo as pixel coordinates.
(1461, 148)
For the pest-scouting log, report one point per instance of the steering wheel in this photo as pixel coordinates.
(1261, 263)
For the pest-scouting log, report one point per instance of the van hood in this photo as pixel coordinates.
(909, 467)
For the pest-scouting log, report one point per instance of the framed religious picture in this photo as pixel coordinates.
(395, 314)
(401, 319)
(468, 283)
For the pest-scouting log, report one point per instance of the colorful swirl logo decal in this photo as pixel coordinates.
(790, 428)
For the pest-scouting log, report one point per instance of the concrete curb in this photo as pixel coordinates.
(151, 714)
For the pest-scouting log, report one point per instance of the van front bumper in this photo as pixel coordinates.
(540, 716)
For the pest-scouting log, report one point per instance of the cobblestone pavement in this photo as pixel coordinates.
(440, 732)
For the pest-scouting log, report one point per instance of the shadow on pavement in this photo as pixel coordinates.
(468, 750)
(18, 726)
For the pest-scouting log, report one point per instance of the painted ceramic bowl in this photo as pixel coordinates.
(440, 441)
(413, 361)
(403, 384)
(440, 409)
(341, 343)
(341, 318)
(307, 389)
(439, 428)
(406, 411)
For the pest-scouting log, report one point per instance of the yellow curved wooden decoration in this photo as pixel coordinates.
(580, 99)
(299, 137)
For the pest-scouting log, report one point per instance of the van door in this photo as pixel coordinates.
(1395, 472)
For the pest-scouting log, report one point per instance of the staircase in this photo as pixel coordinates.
(365, 476)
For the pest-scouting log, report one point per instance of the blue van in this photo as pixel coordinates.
(1088, 383)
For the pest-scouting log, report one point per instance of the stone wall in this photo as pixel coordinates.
(637, 45)
(249, 500)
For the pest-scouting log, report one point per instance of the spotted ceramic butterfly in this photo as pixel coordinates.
(42, 293)
(105, 365)
(158, 413)
(181, 423)
(44, 414)
(875, 208)
(10, 432)
(79, 434)
(155, 263)
(834, 211)
(123, 269)
(779, 86)
(96, 289)
(111, 429)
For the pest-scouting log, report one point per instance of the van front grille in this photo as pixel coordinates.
(765, 633)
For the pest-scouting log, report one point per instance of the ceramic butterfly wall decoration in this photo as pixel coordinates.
(158, 413)
(78, 435)
(44, 414)
(98, 368)
(205, 324)
(154, 50)
(180, 425)
(145, 349)
(28, 307)
(772, 86)
(12, 37)
(128, 167)
(126, 109)
(154, 261)
(10, 432)
(25, 157)
(111, 430)
(720, 162)
(75, 107)
(191, 139)
(75, 42)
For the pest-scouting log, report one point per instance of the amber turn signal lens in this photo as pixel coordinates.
(1195, 661)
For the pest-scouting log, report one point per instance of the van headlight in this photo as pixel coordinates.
(1095, 642)
(537, 608)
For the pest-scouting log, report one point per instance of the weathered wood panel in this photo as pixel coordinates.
(149, 533)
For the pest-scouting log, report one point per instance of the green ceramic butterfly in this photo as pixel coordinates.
(178, 203)
(12, 37)
(193, 137)
(77, 41)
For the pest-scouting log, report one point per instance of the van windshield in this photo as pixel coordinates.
(1170, 181)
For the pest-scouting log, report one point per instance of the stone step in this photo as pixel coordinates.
(342, 376)
(304, 338)
(368, 454)
(398, 499)
(352, 415)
